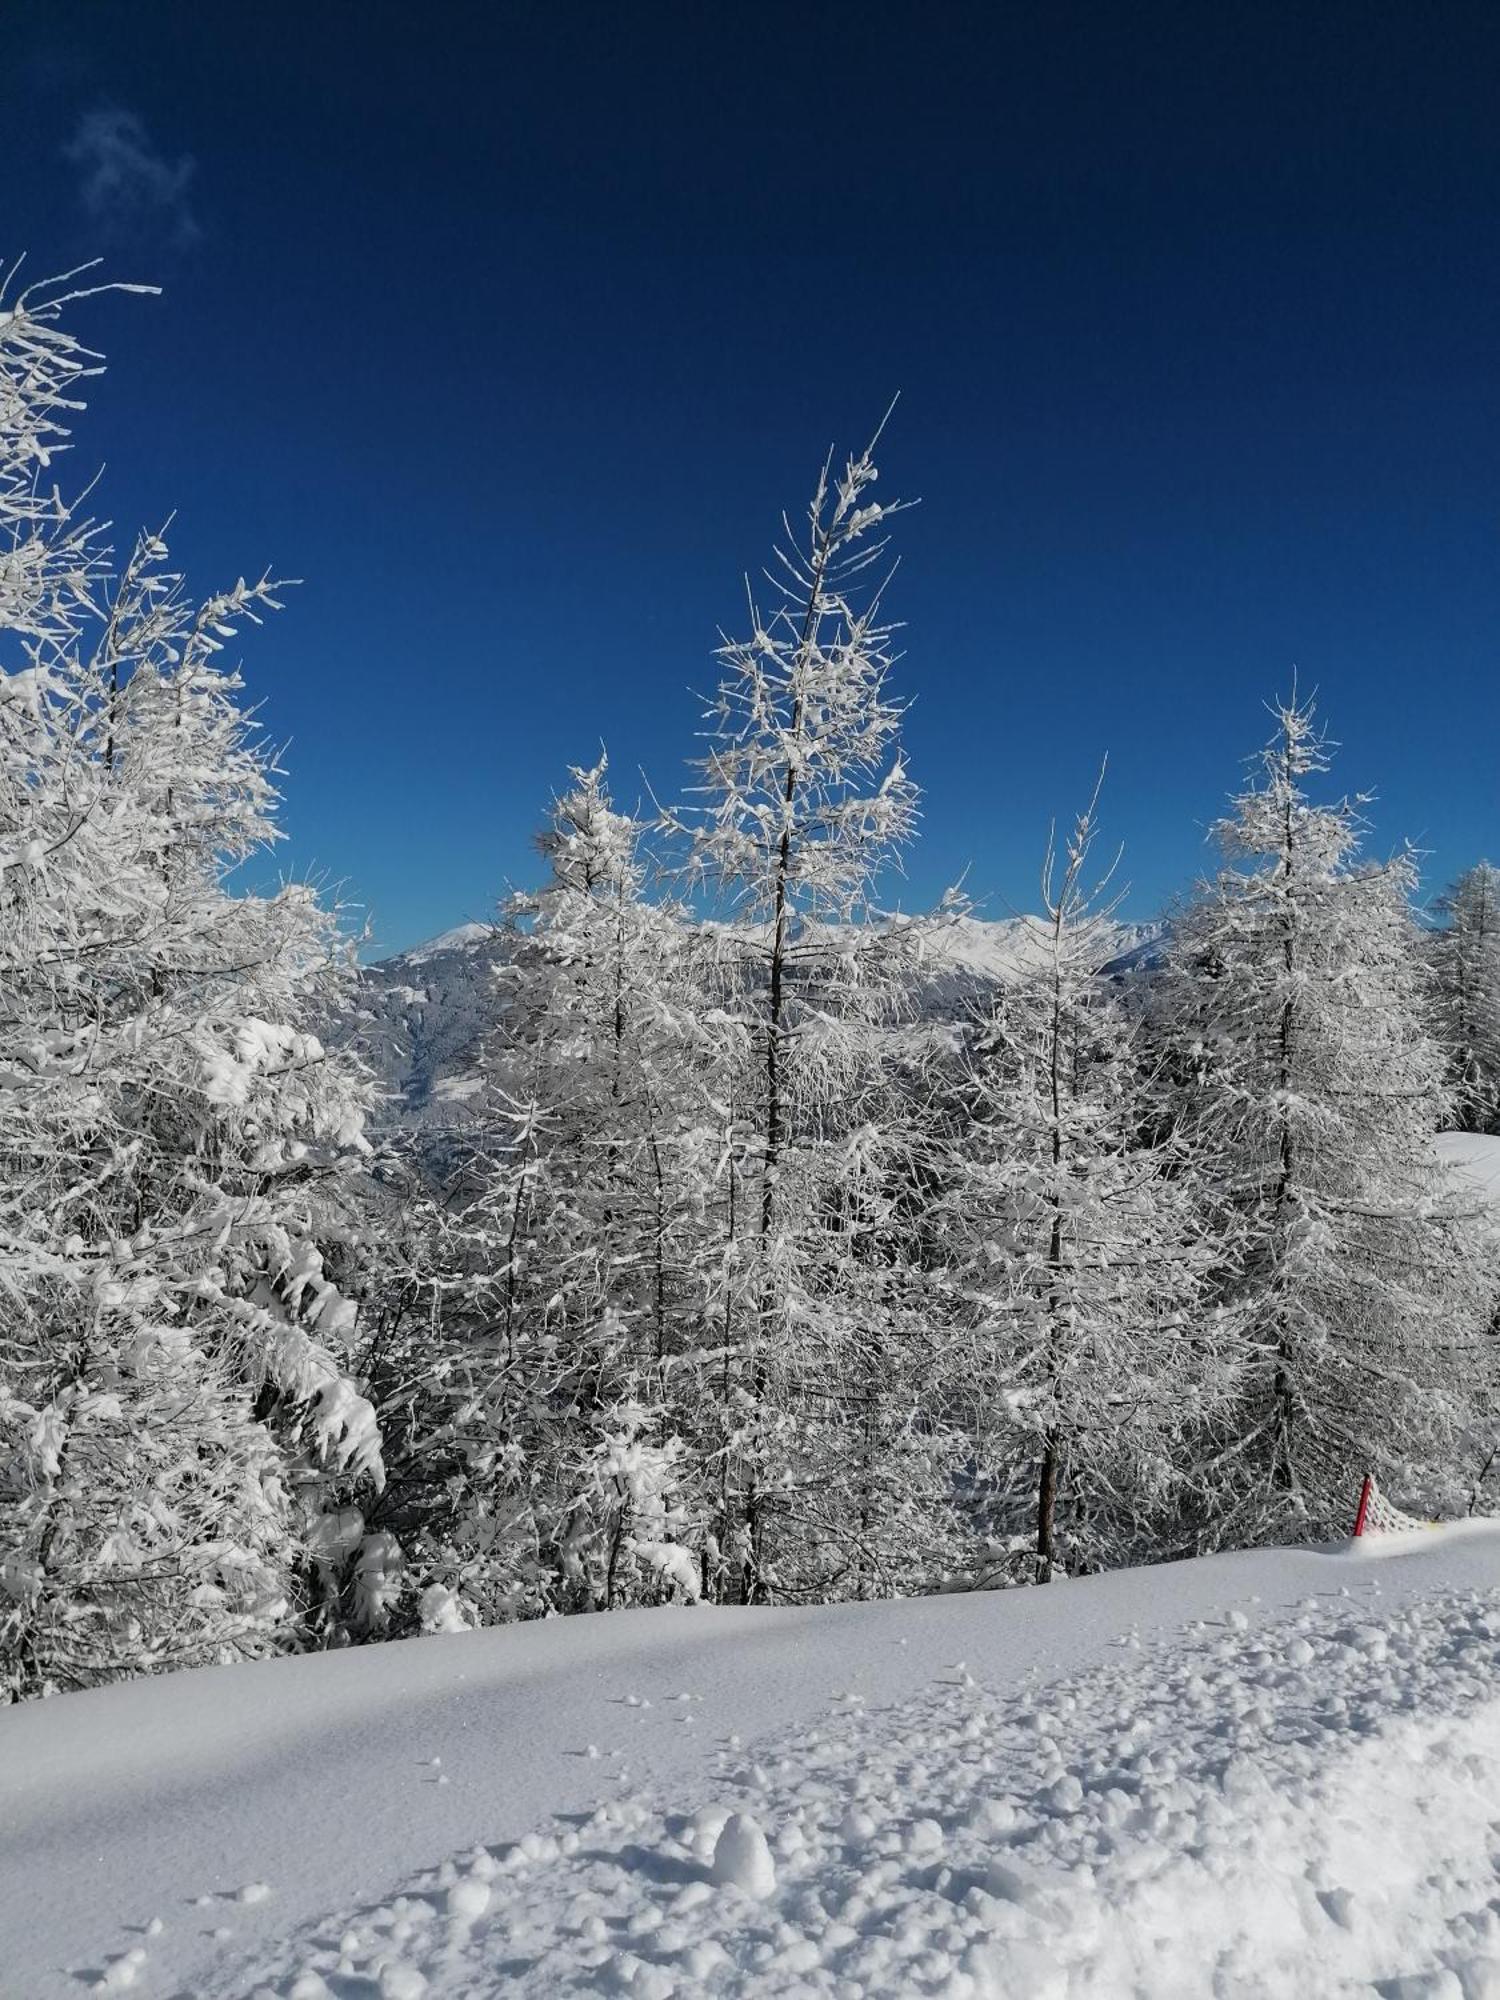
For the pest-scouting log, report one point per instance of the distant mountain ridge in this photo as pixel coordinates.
(421, 1016)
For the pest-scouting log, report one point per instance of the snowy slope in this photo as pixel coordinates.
(1475, 1158)
(419, 1020)
(1265, 1774)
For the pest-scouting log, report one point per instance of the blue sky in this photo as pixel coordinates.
(511, 330)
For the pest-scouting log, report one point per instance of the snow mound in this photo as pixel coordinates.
(742, 1860)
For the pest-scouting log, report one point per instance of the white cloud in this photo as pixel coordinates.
(126, 185)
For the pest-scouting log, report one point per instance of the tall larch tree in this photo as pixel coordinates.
(1078, 1252)
(1311, 1089)
(543, 1465)
(803, 802)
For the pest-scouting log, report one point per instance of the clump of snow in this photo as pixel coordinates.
(442, 1610)
(123, 1972)
(377, 1579)
(468, 1899)
(400, 1981)
(255, 1047)
(742, 1860)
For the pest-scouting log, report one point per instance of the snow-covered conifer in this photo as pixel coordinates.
(562, 1279)
(803, 801)
(1466, 985)
(1076, 1247)
(1310, 1093)
(175, 1412)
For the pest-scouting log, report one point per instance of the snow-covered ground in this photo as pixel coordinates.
(1273, 1773)
(1475, 1159)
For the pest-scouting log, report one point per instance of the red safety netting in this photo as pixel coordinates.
(1377, 1516)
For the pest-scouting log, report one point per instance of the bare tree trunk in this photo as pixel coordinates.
(1046, 1510)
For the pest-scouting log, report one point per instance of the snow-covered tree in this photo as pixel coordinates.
(1078, 1251)
(1311, 1091)
(872, 1508)
(562, 1297)
(1466, 986)
(803, 802)
(603, 994)
(175, 1415)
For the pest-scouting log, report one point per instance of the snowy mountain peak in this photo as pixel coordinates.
(462, 937)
